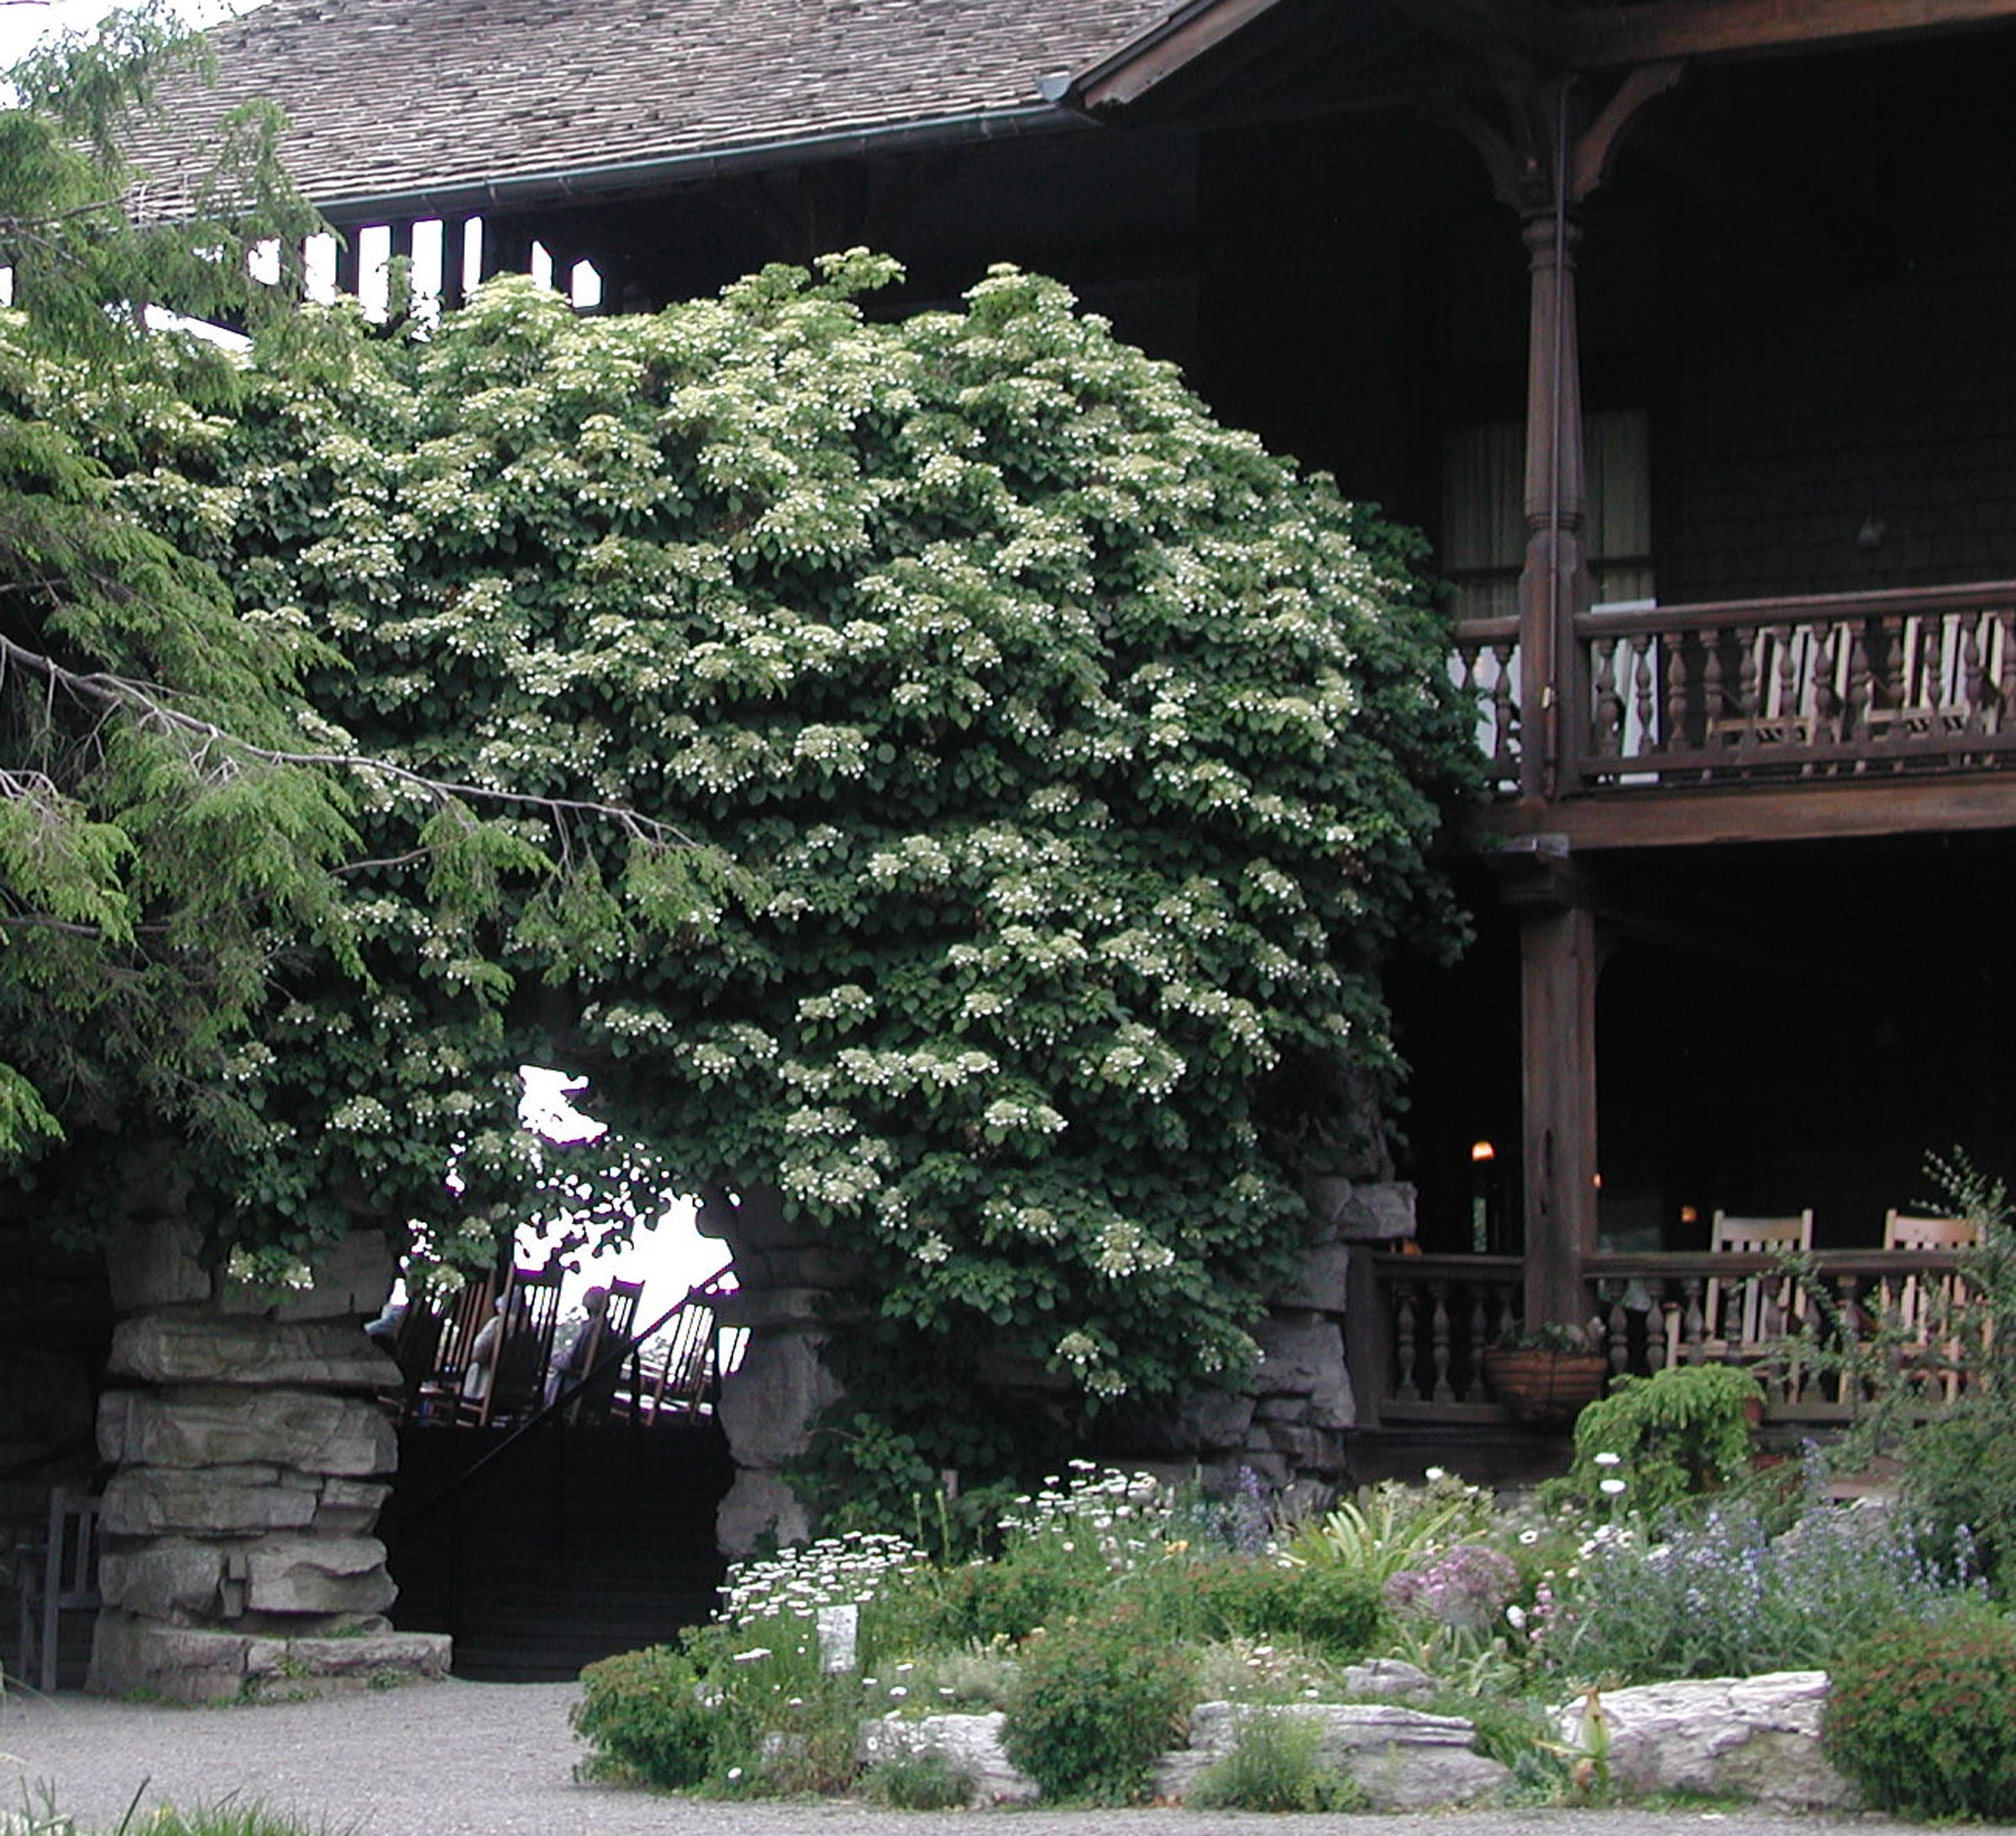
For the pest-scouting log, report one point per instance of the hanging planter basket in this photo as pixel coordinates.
(1546, 1388)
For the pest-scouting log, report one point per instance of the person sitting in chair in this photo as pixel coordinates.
(483, 1354)
(570, 1363)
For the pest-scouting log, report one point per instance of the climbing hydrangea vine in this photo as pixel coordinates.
(1033, 777)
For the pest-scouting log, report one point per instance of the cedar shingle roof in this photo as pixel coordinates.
(408, 98)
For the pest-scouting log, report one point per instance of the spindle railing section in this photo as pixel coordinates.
(1763, 690)
(1416, 1355)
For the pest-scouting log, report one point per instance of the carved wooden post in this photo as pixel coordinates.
(1558, 966)
(1544, 164)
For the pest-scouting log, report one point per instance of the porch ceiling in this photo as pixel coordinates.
(1248, 59)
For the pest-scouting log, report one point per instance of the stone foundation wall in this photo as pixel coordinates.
(1288, 1427)
(250, 1457)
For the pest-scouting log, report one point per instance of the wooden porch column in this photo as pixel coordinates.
(1558, 966)
(1555, 150)
(1554, 581)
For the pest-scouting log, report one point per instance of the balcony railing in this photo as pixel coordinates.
(1416, 1350)
(1829, 686)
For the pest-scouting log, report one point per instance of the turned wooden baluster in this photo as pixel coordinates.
(1693, 1326)
(1848, 1298)
(1659, 1337)
(1827, 711)
(1641, 687)
(1438, 1341)
(2005, 684)
(1617, 1335)
(1480, 1336)
(1504, 711)
(1712, 698)
(1405, 1389)
(1973, 672)
(1676, 692)
(1861, 685)
(1788, 673)
(1607, 740)
(1468, 682)
(1748, 688)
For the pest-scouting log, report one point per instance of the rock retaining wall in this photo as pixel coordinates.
(1754, 1739)
(1287, 1426)
(250, 1457)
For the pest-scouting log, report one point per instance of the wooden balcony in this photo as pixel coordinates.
(1827, 689)
(1420, 1323)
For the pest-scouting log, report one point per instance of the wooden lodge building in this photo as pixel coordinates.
(1683, 327)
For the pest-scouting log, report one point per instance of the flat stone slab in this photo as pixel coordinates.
(187, 1665)
(318, 1575)
(1402, 1759)
(972, 1743)
(307, 1430)
(1756, 1738)
(256, 1353)
(214, 1501)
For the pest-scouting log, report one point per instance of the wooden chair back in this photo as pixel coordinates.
(1929, 1305)
(626, 1299)
(416, 1350)
(1747, 1314)
(463, 1318)
(1902, 1230)
(524, 1348)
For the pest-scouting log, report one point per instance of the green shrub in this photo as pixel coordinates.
(1096, 1701)
(1007, 1599)
(1679, 1433)
(930, 1781)
(1518, 1732)
(1274, 1767)
(1334, 1610)
(1923, 1717)
(1391, 1526)
(1239, 1670)
(641, 1712)
(1960, 1480)
(805, 1743)
(971, 1679)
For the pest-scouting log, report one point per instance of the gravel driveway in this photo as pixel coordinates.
(462, 1759)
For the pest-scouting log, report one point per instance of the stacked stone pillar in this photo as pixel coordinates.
(251, 1456)
(795, 1289)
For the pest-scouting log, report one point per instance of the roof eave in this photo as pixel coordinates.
(1136, 68)
(449, 196)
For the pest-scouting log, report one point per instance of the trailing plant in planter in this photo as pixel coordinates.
(1546, 1373)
